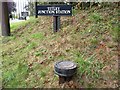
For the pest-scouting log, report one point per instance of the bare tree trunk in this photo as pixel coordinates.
(5, 20)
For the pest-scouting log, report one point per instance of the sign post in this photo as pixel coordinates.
(36, 16)
(56, 23)
(56, 11)
(5, 20)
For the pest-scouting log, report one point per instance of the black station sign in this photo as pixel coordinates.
(54, 10)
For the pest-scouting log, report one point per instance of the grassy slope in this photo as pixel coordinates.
(87, 38)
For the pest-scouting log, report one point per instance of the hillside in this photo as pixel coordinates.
(89, 38)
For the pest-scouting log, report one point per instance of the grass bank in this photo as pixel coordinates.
(88, 38)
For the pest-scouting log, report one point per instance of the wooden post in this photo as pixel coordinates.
(36, 16)
(5, 20)
(56, 23)
(0, 19)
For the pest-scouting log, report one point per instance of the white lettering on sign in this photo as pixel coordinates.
(54, 10)
(63, 11)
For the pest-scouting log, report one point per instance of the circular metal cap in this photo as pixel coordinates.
(65, 68)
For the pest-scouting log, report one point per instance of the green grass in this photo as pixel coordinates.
(37, 36)
(74, 12)
(88, 66)
(16, 77)
(17, 25)
(115, 30)
(37, 53)
(95, 17)
(32, 45)
(94, 41)
(44, 72)
(29, 55)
